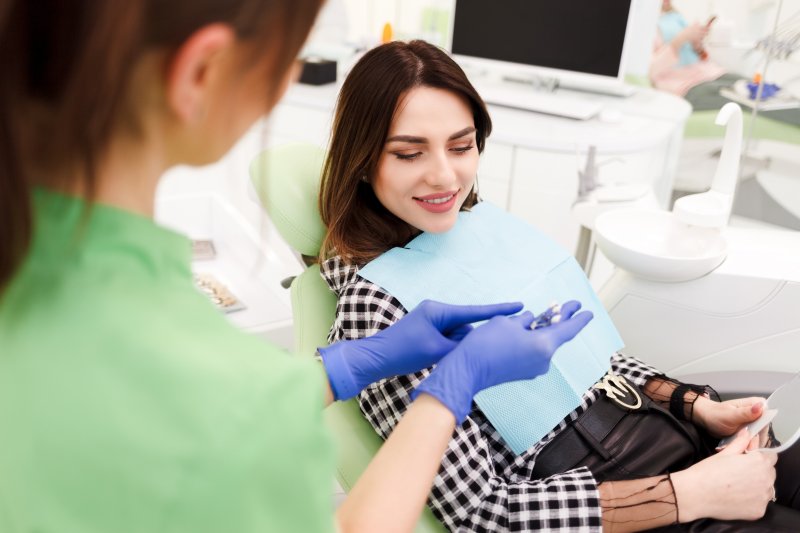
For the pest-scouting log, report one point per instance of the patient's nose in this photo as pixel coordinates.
(441, 172)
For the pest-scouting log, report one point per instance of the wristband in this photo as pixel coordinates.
(677, 401)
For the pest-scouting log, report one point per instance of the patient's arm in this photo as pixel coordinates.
(729, 485)
(678, 397)
(701, 406)
(639, 504)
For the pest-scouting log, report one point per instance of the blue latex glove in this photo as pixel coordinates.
(416, 341)
(504, 349)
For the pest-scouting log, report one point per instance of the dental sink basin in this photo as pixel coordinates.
(730, 316)
(688, 242)
(655, 245)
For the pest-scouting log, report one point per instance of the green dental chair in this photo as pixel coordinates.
(286, 180)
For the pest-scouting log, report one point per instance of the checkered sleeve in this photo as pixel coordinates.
(481, 484)
(633, 369)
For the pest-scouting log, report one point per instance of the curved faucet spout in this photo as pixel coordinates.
(712, 209)
(728, 169)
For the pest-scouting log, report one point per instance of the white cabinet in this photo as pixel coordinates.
(494, 173)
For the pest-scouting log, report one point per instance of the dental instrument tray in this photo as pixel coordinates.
(218, 293)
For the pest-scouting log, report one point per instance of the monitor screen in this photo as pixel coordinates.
(581, 36)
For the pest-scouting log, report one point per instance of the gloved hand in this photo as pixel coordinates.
(504, 349)
(416, 341)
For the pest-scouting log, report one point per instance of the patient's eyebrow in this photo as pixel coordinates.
(423, 140)
(465, 131)
(407, 139)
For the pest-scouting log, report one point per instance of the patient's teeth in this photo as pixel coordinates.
(439, 200)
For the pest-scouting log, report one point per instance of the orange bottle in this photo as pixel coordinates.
(386, 36)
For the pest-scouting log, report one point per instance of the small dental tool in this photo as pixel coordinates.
(550, 316)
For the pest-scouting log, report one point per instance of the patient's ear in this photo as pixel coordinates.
(193, 69)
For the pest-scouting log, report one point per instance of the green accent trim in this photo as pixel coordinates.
(700, 124)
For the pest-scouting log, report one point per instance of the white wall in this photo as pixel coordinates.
(643, 33)
(752, 19)
(365, 20)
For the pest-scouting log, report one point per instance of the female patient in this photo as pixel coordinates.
(407, 136)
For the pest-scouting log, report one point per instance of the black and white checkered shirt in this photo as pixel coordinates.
(481, 485)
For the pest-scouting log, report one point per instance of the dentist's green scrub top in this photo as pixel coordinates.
(129, 404)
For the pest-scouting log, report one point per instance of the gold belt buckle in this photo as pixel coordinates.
(616, 388)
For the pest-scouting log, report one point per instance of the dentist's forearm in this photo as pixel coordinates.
(392, 492)
(328, 394)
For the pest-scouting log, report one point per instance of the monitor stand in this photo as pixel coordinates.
(613, 89)
(539, 96)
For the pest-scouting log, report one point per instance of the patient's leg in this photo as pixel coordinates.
(787, 485)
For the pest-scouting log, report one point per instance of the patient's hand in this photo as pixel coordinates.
(731, 485)
(722, 419)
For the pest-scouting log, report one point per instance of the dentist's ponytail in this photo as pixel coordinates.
(15, 202)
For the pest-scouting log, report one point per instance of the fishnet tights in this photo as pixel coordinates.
(638, 504)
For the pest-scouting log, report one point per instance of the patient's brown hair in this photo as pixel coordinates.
(359, 227)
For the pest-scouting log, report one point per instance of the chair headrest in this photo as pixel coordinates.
(286, 180)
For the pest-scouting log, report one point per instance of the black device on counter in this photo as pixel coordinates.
(317, 71)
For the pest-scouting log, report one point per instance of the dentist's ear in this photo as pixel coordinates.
(192, 69)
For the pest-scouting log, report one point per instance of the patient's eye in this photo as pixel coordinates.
(462, 149)
(407, 157)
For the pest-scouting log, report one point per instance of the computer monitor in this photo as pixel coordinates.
(581, 43)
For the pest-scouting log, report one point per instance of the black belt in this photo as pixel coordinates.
(585, 435)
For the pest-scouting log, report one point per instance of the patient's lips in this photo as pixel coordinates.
(439, 202)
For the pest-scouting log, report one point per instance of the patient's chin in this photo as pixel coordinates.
(441, 225)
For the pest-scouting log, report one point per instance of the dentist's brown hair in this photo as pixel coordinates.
(359, 227)
(66, 67)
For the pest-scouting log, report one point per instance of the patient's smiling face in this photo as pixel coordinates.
(429, 160)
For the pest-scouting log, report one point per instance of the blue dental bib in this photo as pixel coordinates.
(490, 256)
